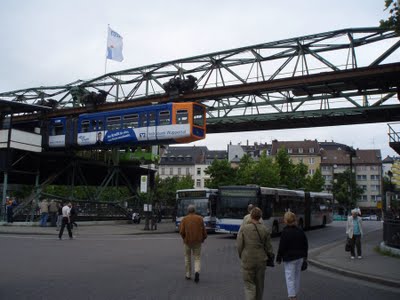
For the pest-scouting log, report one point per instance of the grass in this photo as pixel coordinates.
(386, 252)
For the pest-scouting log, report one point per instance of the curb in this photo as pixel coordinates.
(357, 275)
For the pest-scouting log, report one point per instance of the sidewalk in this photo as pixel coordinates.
(373, 267)
(90, 228)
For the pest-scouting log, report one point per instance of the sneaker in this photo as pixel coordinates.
(359, 257)
(196, 277)
(187, 278)
(351, 257)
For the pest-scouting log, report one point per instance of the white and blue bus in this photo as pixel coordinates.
(204, 201)
(311, 209)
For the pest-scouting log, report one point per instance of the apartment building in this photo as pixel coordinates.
(183, 161)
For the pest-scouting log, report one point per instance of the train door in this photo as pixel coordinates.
(151, 128)
(142, 130)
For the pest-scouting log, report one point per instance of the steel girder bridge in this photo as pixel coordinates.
(333, 78)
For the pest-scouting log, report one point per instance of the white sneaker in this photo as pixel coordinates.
(352, 257)
(359, 257)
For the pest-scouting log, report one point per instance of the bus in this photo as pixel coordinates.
(204, 201)
(310, 208)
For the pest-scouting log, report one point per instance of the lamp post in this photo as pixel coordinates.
(352, 153)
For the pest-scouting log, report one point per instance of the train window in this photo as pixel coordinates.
(152, 118)
(198, 115)
(57, 129)
(143, 120)
(164, 118)
(85, 126)
(114, 123)
(100, 124)
(131, 121)
(182, 117)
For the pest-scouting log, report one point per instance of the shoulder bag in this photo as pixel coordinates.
(270, 258)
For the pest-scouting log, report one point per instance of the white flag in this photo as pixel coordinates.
(114, 46)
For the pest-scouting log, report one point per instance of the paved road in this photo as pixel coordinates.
(151, 267)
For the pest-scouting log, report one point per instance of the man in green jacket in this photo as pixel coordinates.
(193, 233)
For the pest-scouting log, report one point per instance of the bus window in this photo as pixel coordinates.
(182, 117)
(113, 123)
(198, 116)
(164, 118)
(152, 118)
(143, 120)
(85, 126)
(131, 121)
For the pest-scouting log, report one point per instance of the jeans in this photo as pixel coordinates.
(65, 222)
(43, 219)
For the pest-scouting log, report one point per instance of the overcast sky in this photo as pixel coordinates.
(47, 42)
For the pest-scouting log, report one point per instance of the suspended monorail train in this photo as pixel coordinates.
(167, 123)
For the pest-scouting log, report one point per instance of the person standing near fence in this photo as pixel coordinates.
(44, 212)
(53, 212)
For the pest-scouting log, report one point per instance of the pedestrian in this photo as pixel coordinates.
(247, 218)
(354, 232)
(153, 222)
(59, 215)
(193, 233)
(65, 221)
(44, 212)
(10, 204)
(293, 251)
(254, 247)
(73, 213)
(53, 212)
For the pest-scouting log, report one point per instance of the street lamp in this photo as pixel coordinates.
(352, 153)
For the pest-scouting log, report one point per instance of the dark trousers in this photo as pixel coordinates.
(64, 223)
(355, 243)
(53, 218)
(9, 215)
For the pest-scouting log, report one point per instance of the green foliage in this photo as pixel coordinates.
(165, 189)
(344, 186)
(266, 172)
(315, 182)
(221, 173)
(393, 21)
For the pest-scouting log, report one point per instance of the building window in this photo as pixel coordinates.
(301, 160)
(375, 177)
(290, 150)
(361, 168)
(364, 187)
(187, 171)
(364, 198)
(162, 171)
(327, 177)
(361, 177)
(376, 198)
(198, 171)
(311, 150)
(325, 168)
(179, 171)
(311, 171)
(374, 168)
(311, 160)
(375, 187)
(171, 171)
(198, 182)
(300, 150)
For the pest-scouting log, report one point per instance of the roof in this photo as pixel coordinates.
(305, 145)
(7, 107)
(342, 157)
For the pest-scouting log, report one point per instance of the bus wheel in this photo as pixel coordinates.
(275, 228)
(301, 224)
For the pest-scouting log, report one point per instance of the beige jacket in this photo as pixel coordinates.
(252, 250)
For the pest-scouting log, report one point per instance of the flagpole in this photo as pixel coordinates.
(105, 63)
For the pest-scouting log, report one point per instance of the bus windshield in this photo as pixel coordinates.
(201, 205)
(233, 203)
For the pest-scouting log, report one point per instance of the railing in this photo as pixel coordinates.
(394, 136)
(391, 231)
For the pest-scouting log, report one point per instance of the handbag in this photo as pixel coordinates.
(304, 265)
(347, 247)
(271, 257)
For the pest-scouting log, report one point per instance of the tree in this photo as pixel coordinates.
(315, 183)
(285, 166)
(345, 189)
(165, 189)
(266, 171)
(246, 171)
(393, 22)
(221, 173)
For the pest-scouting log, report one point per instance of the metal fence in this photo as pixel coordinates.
(391, 232)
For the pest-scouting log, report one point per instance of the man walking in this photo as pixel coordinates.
(193, 233)
(44, 212)
(65, 221)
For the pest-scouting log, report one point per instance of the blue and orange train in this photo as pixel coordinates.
(161, 123)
